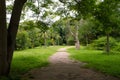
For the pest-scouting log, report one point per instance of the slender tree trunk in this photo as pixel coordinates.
(3, 39)
(108, 44)
(45, 44)
(77, 43)
(12, 30)
(86, 40)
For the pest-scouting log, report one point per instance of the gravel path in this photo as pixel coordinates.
(62, 68)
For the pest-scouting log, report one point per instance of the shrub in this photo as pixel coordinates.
(22, 40)
(34, 37)
(70, 41)
(117, 47)
(100, 43)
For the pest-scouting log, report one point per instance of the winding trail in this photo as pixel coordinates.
(62, 68)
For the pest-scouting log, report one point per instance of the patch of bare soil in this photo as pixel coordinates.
(62, 68)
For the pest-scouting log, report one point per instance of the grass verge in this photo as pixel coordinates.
(109, 64)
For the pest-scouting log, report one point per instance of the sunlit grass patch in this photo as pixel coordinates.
(95, 59)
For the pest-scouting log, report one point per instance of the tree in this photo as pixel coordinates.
(60, 28)
(80, 9)
(8, 35)
(30, 33)
(73, 26)
(89, 30)
(103, 13)
(43, 29)
(54, 35)
(39, 8)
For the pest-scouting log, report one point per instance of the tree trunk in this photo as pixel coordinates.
(3, 39)
(7, 39)
(12, 30)
(86, 40)
(45, 44)
(77, 43)
(108, 44)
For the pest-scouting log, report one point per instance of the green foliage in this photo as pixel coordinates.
(100, 43)
(99, 17)
(42, 26)
(88, 30)
(22, 40)
(34, 36)
(117, 47)
(9, 9)
(27, 25)
(104, 12)
(70, 41)
(38, 7)
(59, 28)
(84, 8)
(95, 59)
(28, 36)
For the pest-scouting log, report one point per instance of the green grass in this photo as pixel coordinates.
(28, 59)
(109, 64)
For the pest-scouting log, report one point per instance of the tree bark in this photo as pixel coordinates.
(108, 44)
(45, 43)
(77, 43)
(3, 38)
(8, 37)
(12, 30)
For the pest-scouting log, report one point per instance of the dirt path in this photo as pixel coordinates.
(62, 68)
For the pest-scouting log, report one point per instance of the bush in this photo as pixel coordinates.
(28, 36)
(22, 40)
(117, 47)
(34, 37)
(70, 41)
(100, 43)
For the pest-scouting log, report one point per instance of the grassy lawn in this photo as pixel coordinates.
(28, 59)
(109, 64)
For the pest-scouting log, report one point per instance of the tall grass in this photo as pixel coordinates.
(95, 59)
